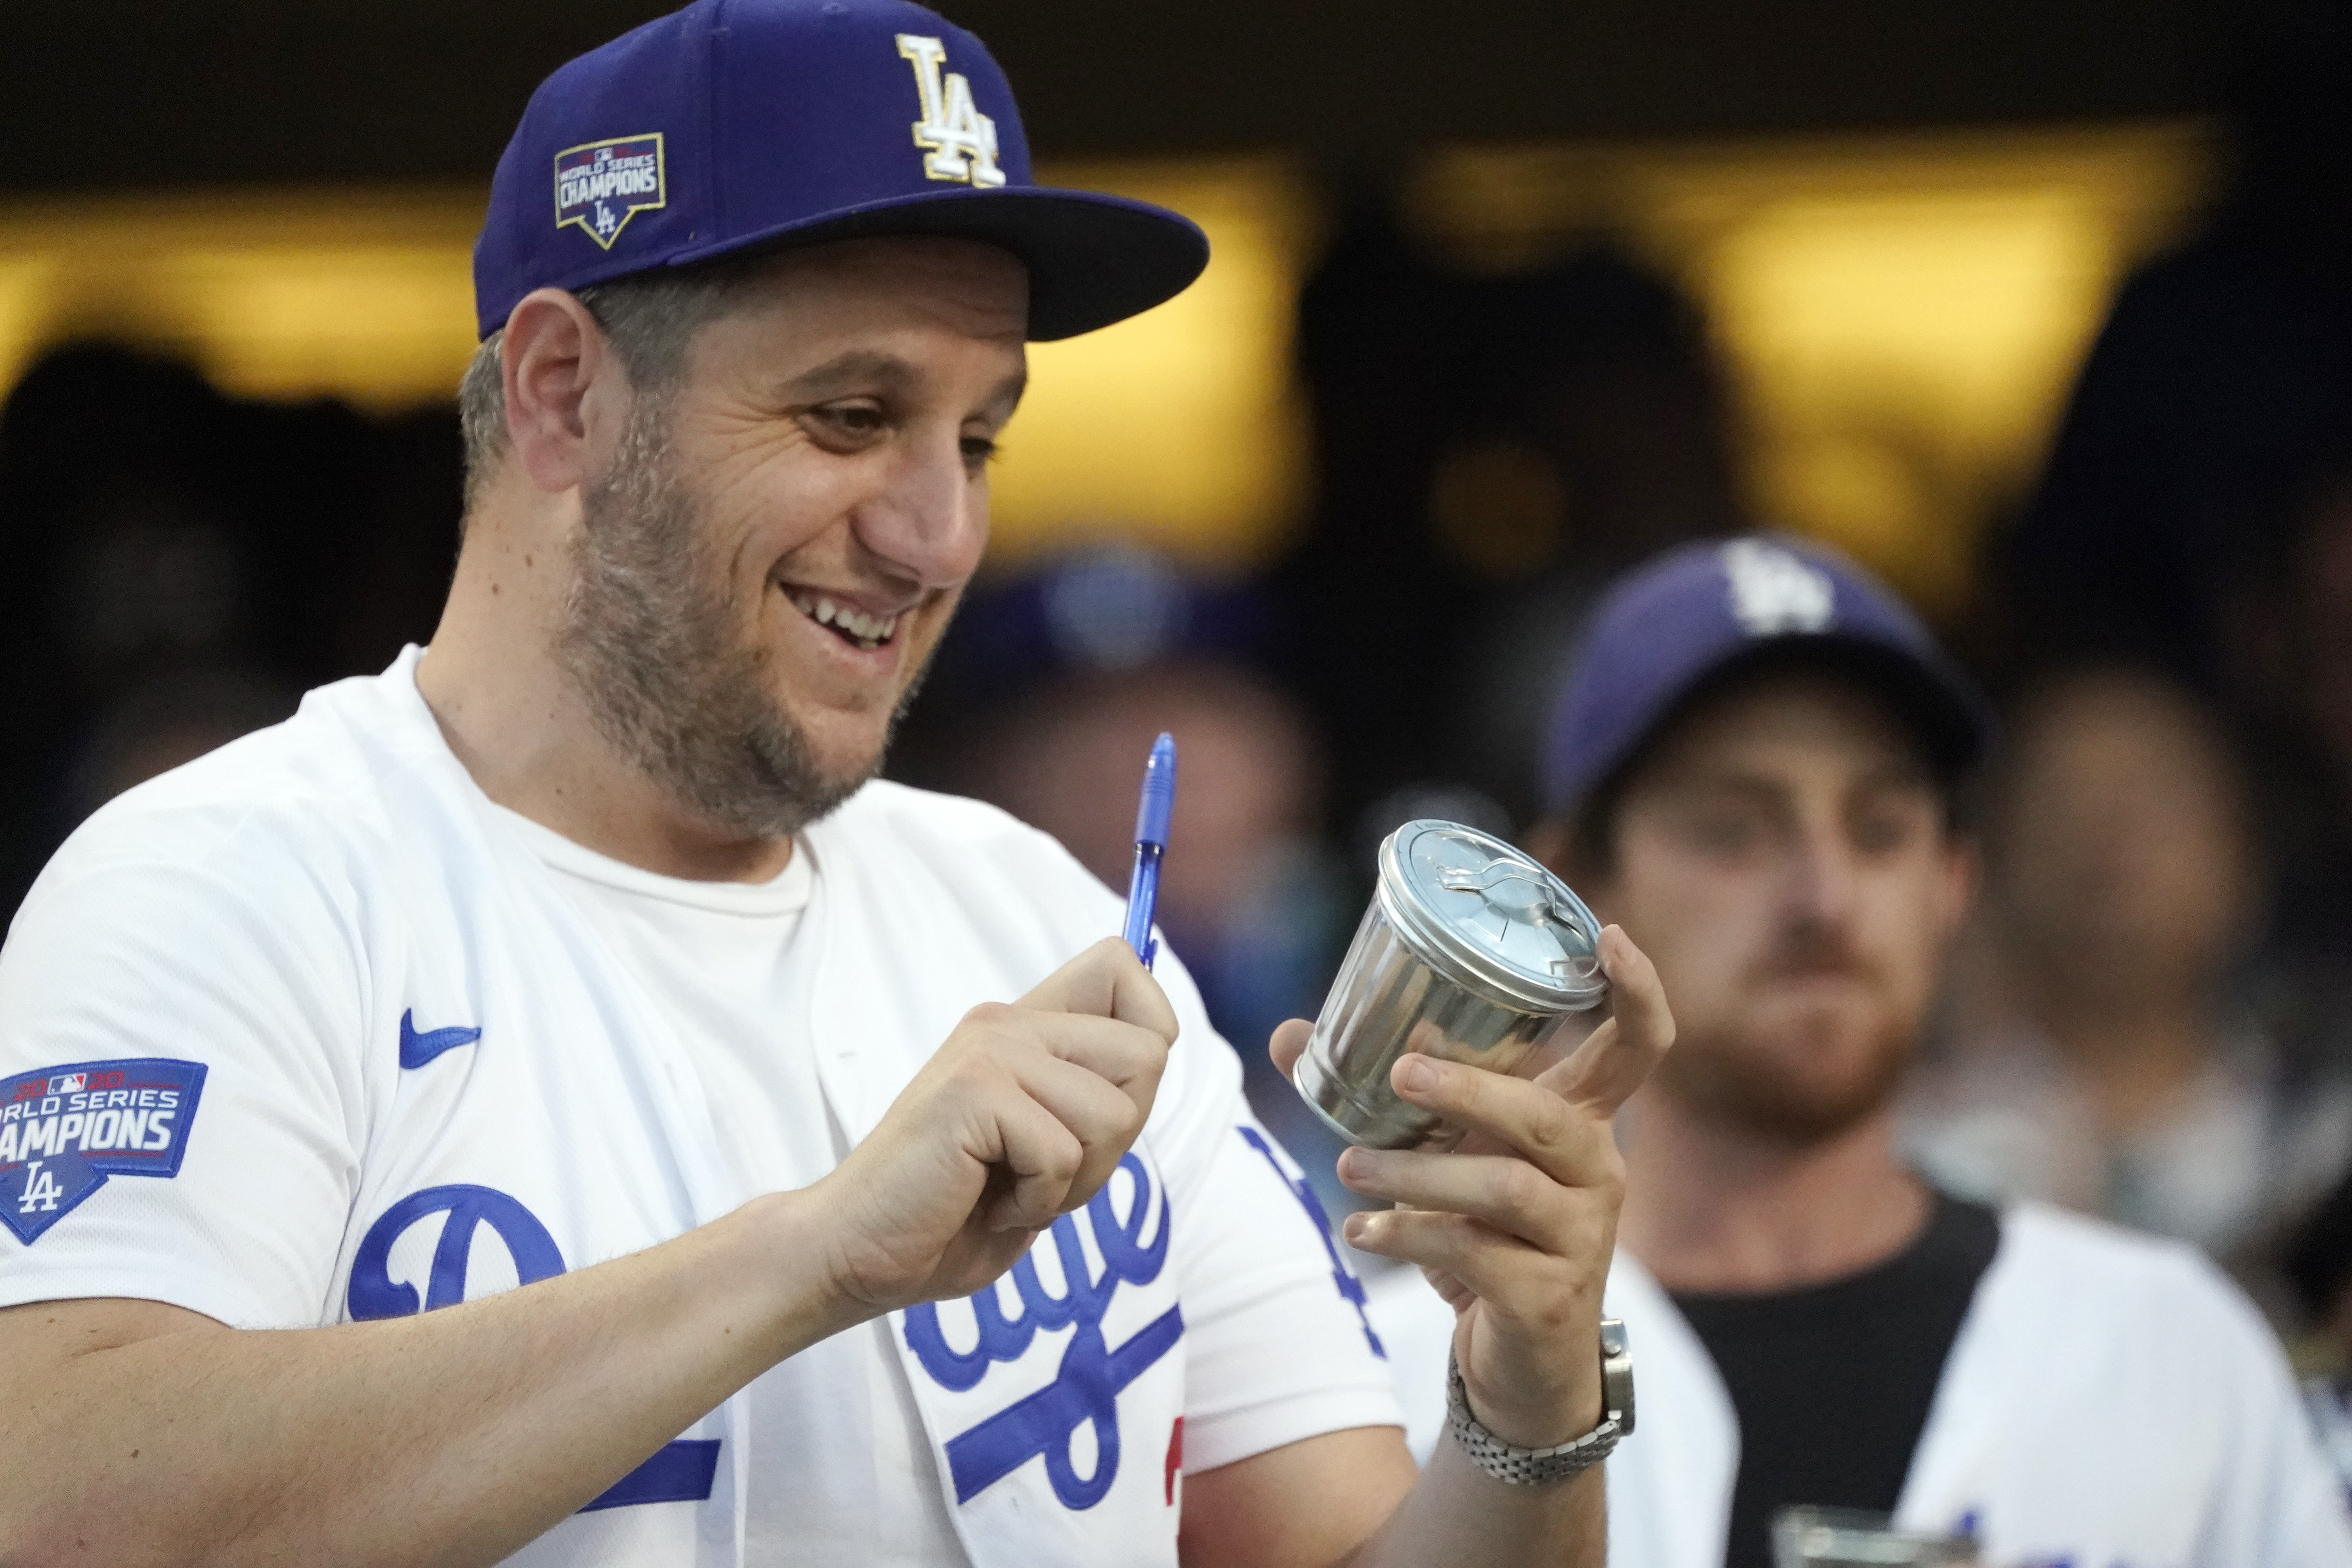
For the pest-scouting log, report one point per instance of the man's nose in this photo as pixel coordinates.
(930, 521)
(1821, 881)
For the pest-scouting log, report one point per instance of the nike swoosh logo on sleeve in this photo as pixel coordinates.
(417, 1050)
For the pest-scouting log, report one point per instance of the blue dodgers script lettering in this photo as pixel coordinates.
(64, 1130)
(678, 1472)
(1087, 1386)
(1343, 1279)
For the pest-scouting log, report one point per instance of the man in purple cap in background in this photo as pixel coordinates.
(549, 1103)
(1756, 765)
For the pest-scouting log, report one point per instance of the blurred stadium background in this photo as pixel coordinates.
(1505, 294)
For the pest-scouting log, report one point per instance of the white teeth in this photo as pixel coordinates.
(870, 631)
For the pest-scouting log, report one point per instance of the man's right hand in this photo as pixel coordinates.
(1021, 1115)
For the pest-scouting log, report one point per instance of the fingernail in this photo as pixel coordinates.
(1415, 1072)
(1355, 1227)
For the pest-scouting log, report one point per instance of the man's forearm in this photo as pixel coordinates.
(451, 1437)
(1457, 1513)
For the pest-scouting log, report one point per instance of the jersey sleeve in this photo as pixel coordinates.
(176, 1122)
(1277, 1344)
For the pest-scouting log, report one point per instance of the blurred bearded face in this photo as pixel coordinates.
(1784, 856)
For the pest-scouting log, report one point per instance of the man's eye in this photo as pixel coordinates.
(979, 449)
(1728, 833)
(1881, 832)
(851, 419)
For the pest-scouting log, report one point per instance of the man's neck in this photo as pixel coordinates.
(1717, 1208)
(519, 722)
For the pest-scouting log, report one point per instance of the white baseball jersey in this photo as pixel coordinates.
(311, 1031)
(2110, 1401)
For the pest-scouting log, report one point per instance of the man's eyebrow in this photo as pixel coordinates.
(1717, 779)
(869, 370)
(859, 370)
(1008, 391)
(1900, 777)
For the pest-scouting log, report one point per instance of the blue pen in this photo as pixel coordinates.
(1151, 844)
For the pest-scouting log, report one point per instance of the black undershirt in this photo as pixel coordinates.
(1831, 1382)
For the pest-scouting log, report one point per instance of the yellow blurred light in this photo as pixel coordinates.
(363, 295)
(1891, 341)
(1900, 316)
(1179, 428)
(1976, 304)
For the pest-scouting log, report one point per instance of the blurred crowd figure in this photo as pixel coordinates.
(2104, 1046)
(1487, 451)
(2196, 513)
(184, 565)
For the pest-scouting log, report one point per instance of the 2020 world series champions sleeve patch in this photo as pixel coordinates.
(65, 1130)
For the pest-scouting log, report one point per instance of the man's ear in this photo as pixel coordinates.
(567, 397)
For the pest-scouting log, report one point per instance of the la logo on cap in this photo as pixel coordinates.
(1774, 591)
(960, 142)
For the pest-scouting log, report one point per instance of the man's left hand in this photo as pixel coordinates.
(1515, 1228)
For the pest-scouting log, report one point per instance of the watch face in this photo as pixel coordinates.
(1617, 1374)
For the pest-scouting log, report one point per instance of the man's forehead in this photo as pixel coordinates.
(898, 317)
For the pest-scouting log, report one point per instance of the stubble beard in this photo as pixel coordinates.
(649, 636)
(1744, 1085)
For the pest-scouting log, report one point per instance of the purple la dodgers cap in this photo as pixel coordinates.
(735, 124)
(1700, 611)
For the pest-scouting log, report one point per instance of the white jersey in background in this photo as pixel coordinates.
(311, 1031)
(2109, 1401)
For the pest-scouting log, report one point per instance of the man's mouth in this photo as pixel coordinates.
(847, 622)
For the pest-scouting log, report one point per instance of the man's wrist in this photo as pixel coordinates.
(1537, 1423)
(1526, 1465)
(776, 1245)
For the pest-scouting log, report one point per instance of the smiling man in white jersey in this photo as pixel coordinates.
(545, 1103)
(1754, 765)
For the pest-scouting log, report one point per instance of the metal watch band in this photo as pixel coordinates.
(1538, 1466)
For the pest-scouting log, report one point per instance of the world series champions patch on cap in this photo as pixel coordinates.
(65, 1130)
(603, 185)
(740, 126)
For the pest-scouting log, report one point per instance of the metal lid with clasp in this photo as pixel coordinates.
(1490, 917)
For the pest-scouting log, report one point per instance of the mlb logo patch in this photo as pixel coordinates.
(65, 1130)
(600, 185)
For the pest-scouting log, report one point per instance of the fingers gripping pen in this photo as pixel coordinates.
(1151, 842)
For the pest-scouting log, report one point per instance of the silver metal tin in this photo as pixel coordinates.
(1470, 952)
(1809, 1537)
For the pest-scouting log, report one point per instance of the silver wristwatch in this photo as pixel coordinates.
(1536, 1466)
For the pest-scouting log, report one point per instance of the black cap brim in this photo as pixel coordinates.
(1093, 259)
